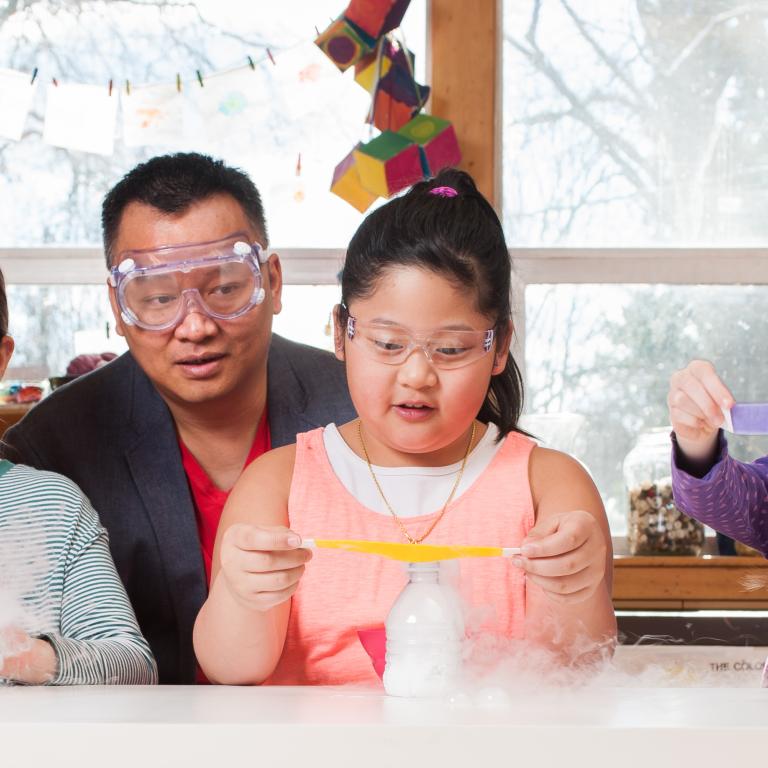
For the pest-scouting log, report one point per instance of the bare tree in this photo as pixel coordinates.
(656, 115)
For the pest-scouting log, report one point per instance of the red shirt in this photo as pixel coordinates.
(208, 498)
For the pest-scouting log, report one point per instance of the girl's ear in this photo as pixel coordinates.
(339, 333)
(501, 354)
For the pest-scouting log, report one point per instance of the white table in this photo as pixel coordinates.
(112, 727)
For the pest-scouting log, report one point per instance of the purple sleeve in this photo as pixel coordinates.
(732, 497)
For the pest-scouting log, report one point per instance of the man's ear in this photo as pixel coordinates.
(275, 271)
(119, 325)
(501, 354)
(339, 333)
(6, 350)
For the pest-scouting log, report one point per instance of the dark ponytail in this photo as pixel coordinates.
(457, 235)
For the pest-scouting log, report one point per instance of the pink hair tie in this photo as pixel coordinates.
(443, 191)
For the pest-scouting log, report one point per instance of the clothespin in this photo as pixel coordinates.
(199, 77)
(55, 81)
(298, 165)
(127, 87)
(178, 82)
(251, 63)
(111, 84)
(271, 57)
(34, 76)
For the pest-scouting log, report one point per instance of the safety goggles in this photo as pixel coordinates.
(393, 345)
(157, 288)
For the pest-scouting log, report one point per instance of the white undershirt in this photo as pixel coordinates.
(411, 491)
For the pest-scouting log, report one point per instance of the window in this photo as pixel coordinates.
(635, 123)
(305, 117)
(633, 196)
(606, 352)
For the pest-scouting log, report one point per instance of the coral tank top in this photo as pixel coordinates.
(342, 593)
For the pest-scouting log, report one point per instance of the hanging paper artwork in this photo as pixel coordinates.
(411, 146)
(388, 163)
(80, 117)
(388, 76)
(344, 43)
(437, 142)
(220, 112)
(347, 185)
(376, 17)
(153, 115)
(16, 94)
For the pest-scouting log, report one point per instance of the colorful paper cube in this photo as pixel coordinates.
(344, 43)
(437, 141)
(388, 113)
(367, 69)
(376, 17)
(399, 83)
(388, 163)
(346, 184)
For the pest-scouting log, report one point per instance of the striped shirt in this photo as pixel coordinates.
(58, 581)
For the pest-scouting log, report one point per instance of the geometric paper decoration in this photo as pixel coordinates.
(399, 83)
(389, 114)
(344, 43)
(367, 69)
(411, 146)
(346, 184)
(398, 97)
(376, 17)
(388, 163)
(436, 139)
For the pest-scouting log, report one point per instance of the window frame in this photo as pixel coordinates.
(87, 265)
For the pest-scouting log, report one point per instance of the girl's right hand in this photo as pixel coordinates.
(696, 401)
(262, 566)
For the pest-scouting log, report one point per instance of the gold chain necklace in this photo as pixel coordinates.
(411, 539)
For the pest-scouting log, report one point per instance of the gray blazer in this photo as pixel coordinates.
(112, 434)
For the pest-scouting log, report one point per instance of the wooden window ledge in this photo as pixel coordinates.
(689, 583)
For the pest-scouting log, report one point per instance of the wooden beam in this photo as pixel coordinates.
(464, 44)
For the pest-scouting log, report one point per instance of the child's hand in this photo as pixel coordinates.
(565, 555)
(25, 659)
(262, 566)
(696, 399)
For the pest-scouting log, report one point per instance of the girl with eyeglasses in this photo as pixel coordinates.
(435, 457)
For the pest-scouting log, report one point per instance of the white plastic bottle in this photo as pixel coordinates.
(425, 630)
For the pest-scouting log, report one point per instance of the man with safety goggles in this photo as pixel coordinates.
(156, 289)
(157, 438)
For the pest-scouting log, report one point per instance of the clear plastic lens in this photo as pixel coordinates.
(445, 349)
(156, 298)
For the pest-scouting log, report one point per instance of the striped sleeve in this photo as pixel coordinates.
(99, 641)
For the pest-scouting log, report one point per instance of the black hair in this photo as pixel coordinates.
(172, 184)
(458, 236)
(3, 307)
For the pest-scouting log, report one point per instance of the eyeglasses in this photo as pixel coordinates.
(157, 288)
(393, 345)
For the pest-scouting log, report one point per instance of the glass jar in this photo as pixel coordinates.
(655, 525)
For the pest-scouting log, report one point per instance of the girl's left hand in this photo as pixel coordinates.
(565, 555)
